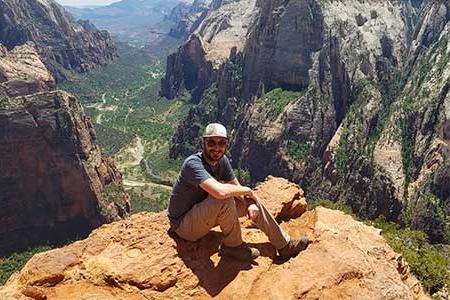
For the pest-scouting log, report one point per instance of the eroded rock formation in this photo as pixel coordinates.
(193, 67)
(22, 72)
(364, 120)
(55, 183)
(136, 259)
(63, 44)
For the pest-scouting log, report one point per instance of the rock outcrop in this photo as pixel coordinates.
(348, 98)
(193, 67)
(64, 45)
(136, 259)
(55, 183)
(187, 17)
(22, 72)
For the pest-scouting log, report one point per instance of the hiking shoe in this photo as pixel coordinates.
(293, 248)
(242, 252)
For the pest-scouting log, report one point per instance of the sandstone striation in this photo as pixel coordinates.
(136, 259)
(64, 45)
(366, 126)
(193, 67)
(22, 72)
(55, 182)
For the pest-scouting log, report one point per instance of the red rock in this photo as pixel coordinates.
(34, 293)
(54, 176)
(136, 259)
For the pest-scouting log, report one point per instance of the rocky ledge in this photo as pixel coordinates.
(136, 259)
(22, 72)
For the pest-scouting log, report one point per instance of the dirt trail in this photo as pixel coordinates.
(134, 183)
(131, 157)
(102, 107)
(135, 152)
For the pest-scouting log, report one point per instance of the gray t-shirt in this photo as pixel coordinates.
(187, 191)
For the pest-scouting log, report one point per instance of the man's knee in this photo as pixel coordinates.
(223, 206)
(229, 204)
(221, 203)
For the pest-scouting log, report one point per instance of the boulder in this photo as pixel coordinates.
(136, 259)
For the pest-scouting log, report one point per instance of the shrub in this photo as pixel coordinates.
(277, 99)
(297, 151)
(426, 261)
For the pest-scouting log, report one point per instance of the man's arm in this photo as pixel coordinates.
(224, 191)
(252, 209)
(235, 181)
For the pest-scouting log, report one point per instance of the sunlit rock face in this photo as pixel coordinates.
(193, 67)
(365, 122)
(137, 259)
(22, 71)
(63, 44)
(55, 182)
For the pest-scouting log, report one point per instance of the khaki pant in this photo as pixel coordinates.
(212, 212)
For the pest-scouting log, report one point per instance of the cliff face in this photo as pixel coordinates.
(187, 17)
(347, 98)
(22, 72)
(55, 183)
(136, 259)
(216, 30)
(63, 45)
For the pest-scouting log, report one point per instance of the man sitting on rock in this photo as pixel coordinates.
(207, 194)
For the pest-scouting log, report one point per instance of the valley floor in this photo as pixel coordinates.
(133, 123)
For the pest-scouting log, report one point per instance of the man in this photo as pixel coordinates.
(207, 194)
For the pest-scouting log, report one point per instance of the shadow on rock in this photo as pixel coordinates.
(214, 277)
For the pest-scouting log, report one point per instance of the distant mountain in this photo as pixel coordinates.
(135, 21)
(64, 45)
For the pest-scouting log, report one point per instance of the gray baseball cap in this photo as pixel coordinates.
(215, 129)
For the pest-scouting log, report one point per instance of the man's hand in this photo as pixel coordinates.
(252, 212)
(252, 195)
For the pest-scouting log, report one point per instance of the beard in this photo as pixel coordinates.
(214, 156)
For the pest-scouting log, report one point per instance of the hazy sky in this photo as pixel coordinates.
(85, 2)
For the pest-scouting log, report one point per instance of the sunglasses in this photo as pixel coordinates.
(212, 143)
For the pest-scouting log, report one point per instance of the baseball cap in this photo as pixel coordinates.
(215, 129)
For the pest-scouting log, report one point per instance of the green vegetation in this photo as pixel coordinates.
(123, 101)
(16, 261)
(408, 142)
(277, 99)
(243, 176)
(426, 261)
(113, 192)
(432, 215)
(333, 205)
(156, 202)
(297, 151)
(112, 140)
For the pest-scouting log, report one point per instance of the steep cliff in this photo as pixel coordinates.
(22, 72)
(136, 259)
(63, 44)
(54, 182)
(187, 17)
(348, 98)
(193, 67)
